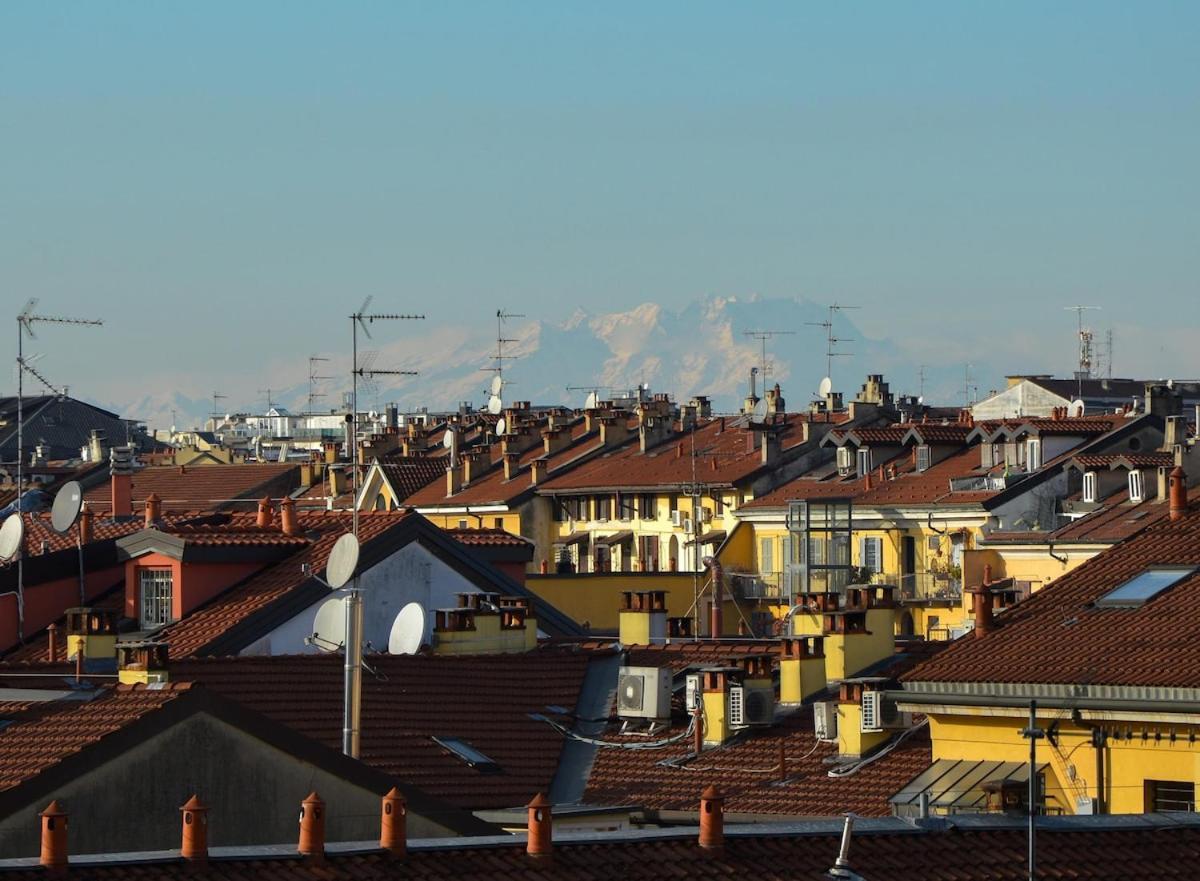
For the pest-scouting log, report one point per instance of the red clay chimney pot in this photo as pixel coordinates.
(153, 509)
(287, 516)
(266, 514)
(1177, 493)
(312, 827)
(540, 843)
(194, 844)
(712, 818)
(54, 838)
(393, 823)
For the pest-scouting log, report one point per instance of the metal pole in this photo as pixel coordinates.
(352, 694)
(20, 474)
(1034, 733)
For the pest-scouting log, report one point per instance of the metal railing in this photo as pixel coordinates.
(922, 585)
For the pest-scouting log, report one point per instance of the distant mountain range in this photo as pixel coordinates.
(700, 349)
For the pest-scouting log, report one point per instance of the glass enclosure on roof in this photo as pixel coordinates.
(817, 548)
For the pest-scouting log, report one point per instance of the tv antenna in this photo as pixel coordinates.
(831, 341)
(1085, 335)
(353, 669)
(921, 381)
(314, 381)
(216, 413)
(762, 336)
(498, 368)
(266, 392)
(26, 319)
(967, 380)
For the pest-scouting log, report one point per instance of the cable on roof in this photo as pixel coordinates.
(848, 770)
(595, 741)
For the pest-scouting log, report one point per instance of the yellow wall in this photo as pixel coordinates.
(1128, 763)
(509, 522)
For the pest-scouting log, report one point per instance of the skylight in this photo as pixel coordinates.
(1144, 587)
(473, 757)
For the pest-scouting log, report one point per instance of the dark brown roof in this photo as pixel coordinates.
(407, 474)
(201, 487)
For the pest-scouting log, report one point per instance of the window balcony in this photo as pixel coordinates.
(930, 585)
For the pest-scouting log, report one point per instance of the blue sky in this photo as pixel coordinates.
(221, 181)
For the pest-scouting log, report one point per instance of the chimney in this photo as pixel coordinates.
(555, 439)
(266, 514)
(393, 823)
(643, 617)
(1177, 491)
(153, 510)
(537, 471)
(511, 465)
(1163, 479)
(860, 634)
(801, 668)
(714, 684)
(52, 648)
(540, 843)
(712, 819)
(121, 470)
(331, 453)
(312, 828)
(96, 449)
(1005, 797)
(142, 663)
(453, 475)
(613, 430)
(853, 742)
(473, 467)
(981, 605)
(337, 480)
(54, 839)
(85, 525)
(287, 516)
(770, 447)
(716, 613)
(92, 636)
(194, 844)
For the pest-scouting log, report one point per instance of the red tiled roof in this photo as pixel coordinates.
(1095, 461)
(1059, 636)
(407, 474)
(200, 487)
(1096, 850)
(43, 733)
(483, 699)
(488, 538)
(725, 459)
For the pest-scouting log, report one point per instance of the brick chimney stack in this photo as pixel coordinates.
(393, 823)
(85, 525)
(153, 510)
(540, 843)
(312, 828)
(981, 599)
(266, 514)
(712, 819)
(54, 839)
(1177, 492)
(121, 472)
(194, 843)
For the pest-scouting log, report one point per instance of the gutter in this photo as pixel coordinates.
(918, 700)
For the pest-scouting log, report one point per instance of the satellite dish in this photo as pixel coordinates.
(12, 533)
(343, 560)
(66, 507)
(759, 413)
(408, 630)
(590, 401)
(448, 439)
(920, 399)
(494, 405)
(330, 624)
(825, 387)
(497, 385)
(1076, 409)
(501, 425)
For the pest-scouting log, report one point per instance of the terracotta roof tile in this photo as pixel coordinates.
(488, 538)
(407, 474)
(201, 486)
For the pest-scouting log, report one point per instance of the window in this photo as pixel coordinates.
(1033, 454)
(156, 588)
(1165, 796)
(1089, 486)
(577, 507)
(1144, 587)
(871, 554)
(718, 506)
(648, 552)
(845, 460)
(603, 507)
(672, 503)
(462, 524)
(648, 506)
(625, 507)
(766, 556)
(471, 756)
(1137, 486)
(498, 522)
(923, 457)
(864, 460)
(987, 455)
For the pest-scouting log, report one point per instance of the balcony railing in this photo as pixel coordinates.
(758, 585)
(922, 585)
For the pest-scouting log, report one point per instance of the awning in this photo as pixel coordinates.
(573, 539)
(957, 785)
(617, 538)
(709, 538)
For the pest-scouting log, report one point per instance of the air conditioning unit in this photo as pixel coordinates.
(687, 524)
(825, 720)
(644, 693)
(881, 714)
(693, 694)
(751, 706)
(676, 517)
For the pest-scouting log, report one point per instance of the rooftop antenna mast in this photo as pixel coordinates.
(762, 336)
(266, 392)
(831, 341)
(314, 381)
(1084, 370)
(352, 697)
(26, 319)
(921, 381)
(216, 413)
(967, 379)
(498, 368)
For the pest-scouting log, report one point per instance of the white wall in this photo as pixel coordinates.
(412, 574)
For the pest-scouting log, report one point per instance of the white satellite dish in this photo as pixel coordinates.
(590, 401)
(343, 560)
(408, 631)
(495, 405)
(1076, 409)
(448, 439)
(330, 624)
(67, 503)
(12, 533)
(825, 387)
(759, 413)
(497, 385)
(500, 426)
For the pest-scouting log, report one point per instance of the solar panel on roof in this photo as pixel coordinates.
(1144, 587)
(473, 757)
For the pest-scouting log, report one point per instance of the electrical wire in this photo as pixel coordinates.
(609, 744)
(846, 771)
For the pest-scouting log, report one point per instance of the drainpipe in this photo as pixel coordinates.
(715, 622)
(1054, 556)
(1099, 741)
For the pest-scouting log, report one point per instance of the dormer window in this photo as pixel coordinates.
(923, 457)
(1137, 486)
(1089, 486)
(1033, 454)
(864, 460)
(155, 589)
(845, 460)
